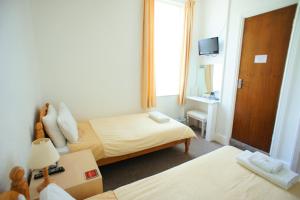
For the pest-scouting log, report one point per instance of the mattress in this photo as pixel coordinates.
(216, 175)
(132, 133)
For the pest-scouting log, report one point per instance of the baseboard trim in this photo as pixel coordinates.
(221, 139)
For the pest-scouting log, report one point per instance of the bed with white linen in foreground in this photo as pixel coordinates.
(216, 175)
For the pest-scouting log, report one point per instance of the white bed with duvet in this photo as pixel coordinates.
(216, 175)
(112, 139)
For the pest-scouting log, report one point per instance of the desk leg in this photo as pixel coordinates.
(203, 124)
(211, 121)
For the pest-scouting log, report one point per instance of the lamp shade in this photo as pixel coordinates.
(43, 154)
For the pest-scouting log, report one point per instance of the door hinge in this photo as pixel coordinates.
(240, 83)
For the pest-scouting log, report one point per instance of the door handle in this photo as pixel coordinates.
(240, 83)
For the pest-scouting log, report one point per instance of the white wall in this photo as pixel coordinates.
(296, 156)
(82, 44)
(211, 17)
(214, 18)
(289, 121)
(291, 124)
(238, 10)
(213, 23)
(90, 53)
(169, 105)
(19, 86)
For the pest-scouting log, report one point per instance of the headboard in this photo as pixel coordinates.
(39, 128)
(18, 185)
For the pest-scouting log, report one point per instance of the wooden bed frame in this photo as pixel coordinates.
(40, 133)
(18, 185)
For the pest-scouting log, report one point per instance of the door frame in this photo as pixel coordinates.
(286, 81)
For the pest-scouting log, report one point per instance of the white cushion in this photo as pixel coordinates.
(54, 192)
(52, 129)
(196, 114)
(67, 123)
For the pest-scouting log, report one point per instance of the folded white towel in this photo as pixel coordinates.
(285, 178)
(265, 162)
(158, 117)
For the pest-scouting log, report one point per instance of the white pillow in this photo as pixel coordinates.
(54, 192)
(158, 117)
(52, 129)
(67, 123)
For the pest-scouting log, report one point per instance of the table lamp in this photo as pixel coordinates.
(43, 154)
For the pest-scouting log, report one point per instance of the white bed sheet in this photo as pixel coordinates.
(213, 176)
(132, 133)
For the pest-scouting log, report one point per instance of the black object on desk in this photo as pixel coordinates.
(53, 169)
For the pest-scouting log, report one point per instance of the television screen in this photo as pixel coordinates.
(208, 46)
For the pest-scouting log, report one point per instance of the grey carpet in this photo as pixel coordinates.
(243, 146)
(124, 172)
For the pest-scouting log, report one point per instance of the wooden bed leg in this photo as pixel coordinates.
(187, 145)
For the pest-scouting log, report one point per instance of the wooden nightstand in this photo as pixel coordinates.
(73, 180)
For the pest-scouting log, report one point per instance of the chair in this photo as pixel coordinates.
(199, 116)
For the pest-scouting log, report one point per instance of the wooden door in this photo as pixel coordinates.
(257, 98)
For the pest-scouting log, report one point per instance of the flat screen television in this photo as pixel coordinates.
(208, 46)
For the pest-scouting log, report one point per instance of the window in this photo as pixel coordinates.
(168, 41)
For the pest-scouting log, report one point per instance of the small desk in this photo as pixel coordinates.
(72, 180)
(212, 108)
